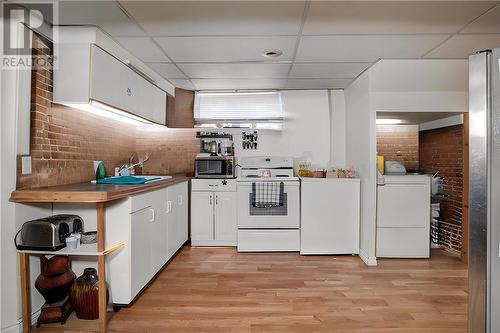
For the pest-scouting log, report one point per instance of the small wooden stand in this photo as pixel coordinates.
(87, 250)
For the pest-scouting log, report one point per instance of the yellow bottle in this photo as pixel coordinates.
(380, 164)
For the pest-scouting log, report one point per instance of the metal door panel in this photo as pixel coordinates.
(494, 202)
(479, 106)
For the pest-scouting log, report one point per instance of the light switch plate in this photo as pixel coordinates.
(26, 165)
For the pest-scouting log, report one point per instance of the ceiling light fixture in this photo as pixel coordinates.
(236, 93)
(109, 112)
(389, 121)
(272, 53)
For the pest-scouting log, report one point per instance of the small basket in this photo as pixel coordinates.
(318, 174)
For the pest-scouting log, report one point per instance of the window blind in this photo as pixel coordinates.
(241, 108)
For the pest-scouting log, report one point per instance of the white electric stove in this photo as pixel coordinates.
(268, 229)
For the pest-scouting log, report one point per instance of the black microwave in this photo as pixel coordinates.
(214, 167)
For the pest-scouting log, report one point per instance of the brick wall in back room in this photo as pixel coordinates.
(65, 141)
(442, 150)
(399, 143)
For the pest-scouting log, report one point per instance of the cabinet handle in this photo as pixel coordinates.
(210, 200)
(216, 199)
(179, 199)
(152, 215)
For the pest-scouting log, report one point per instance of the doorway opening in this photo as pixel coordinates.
(434, 143)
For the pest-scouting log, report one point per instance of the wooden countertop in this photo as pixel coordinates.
(89, 192)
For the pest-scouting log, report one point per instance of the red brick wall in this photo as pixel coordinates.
(172, 150)
(442, 150)
(399, 143)
(65, 141)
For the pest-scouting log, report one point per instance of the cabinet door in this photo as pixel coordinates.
(146, 106)
(159, 249)
(202, 216)
(158, 105)
(182, 204)
(130, 90)
(105, 73)
(226, 217)
(140, 249)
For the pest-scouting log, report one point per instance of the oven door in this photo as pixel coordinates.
(214, 168)
(275, 217)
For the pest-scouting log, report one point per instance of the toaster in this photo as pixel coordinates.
(48, 233)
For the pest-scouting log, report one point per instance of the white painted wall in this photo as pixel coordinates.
(338, 128)
(306, 130)
(361, 153)
(421, 85)
(12, 216)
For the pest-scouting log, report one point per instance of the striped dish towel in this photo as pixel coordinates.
(268, 194)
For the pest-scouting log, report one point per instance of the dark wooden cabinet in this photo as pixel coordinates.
(180, 109)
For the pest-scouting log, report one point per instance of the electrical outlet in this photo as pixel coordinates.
(26, 165)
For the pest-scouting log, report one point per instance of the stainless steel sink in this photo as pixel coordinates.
(151, 177)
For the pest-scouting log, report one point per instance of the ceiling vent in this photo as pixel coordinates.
(272, 53)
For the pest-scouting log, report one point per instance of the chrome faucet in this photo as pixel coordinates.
(124, 170)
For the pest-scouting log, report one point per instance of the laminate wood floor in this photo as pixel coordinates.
(220, 290)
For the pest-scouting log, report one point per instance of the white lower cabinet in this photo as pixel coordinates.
(225, 221)
(330, 215)
(158, 232)
(177, 217)
(213, 213)
(140, 223)
(153, 226)
(202, 217)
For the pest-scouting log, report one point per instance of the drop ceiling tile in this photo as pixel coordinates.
(241, 70)
(104, 14)
(143, 48)
(488, 23)
(168, 71)
(317, 83)
(378, 17)
(183, 84)
(358, 48)
(225, 49)
(186, 18)
(328, 71)
(462, 46)
(214, 84)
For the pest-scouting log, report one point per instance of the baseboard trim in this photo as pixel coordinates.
(370, 261)
(17, 328)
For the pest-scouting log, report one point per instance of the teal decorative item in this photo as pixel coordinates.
(100, 171)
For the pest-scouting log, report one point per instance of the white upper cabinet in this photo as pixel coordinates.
(89, 69)
(104, 70)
